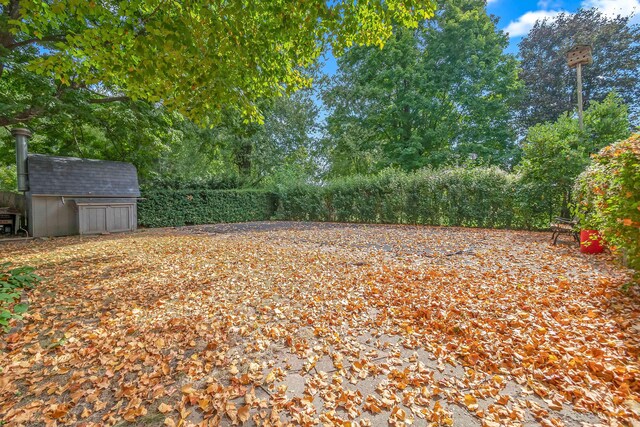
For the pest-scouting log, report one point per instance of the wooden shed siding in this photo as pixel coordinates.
(119, 218)
(107, 218)
(93, 219)
(50, 216)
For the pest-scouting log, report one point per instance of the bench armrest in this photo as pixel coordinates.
(568, 221)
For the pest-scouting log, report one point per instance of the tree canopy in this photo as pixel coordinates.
(165, 145)
(195, 57)
(433, 95)
(550, 85)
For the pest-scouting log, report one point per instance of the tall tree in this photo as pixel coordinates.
(133, 131)
(193, 57)
(287, 138)
(433, 95)
(166, 145)
(550, 85)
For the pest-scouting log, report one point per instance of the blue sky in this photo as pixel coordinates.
(518, 16)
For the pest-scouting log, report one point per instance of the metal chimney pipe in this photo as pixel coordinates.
(22, 136)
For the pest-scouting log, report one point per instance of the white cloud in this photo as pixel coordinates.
(524, 24)
(549, 4)
(613, 8)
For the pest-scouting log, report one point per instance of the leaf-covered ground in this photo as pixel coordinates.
(273, 324)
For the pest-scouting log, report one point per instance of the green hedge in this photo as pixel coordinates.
(482, 197)
(170, 208)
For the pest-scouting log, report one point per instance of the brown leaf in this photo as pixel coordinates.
(164, 408)
(243, 413)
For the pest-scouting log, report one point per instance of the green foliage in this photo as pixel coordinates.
(285, 140)
(134, 132)
(216, 182)
(12, 282)
(165, 146)
(8, 178)
(432, 96)
(171, 208)
(605, 122)
(550, 85)
(554, 154)
(288, 174)
(608, 195)
(194, 57)
(481, 197)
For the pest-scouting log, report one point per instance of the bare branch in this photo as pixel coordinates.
(37, 111)
(51, 38)
(109, 99)
(22, 117)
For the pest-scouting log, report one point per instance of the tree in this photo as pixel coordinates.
(286, 138)
(550, 85)
(431, 96)
(193, 57)
(555, 153)
(133, 131)
(166, 145)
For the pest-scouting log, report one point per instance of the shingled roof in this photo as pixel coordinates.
(70, 176)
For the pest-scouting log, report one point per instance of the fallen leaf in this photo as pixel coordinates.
(164, 408)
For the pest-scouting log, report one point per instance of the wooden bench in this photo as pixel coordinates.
(564, 226)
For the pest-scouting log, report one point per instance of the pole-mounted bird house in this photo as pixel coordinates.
(577, 57)
(580, 55)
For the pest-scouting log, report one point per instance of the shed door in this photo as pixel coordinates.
(118, 218)
(93, 220)
(96, 219)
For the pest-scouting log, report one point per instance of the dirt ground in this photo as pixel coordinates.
(277, 323)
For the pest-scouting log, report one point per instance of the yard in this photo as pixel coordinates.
(278, 323)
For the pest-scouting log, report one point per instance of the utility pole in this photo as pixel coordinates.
(577, 57)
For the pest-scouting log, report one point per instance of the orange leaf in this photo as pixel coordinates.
(164, 408)
(188, 389)
(59, 412)
(471, 402)
(243, 414)
(232, 411)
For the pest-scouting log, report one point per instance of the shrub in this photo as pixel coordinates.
(555, 153)
(12, 282)
(171, 208)
(608, 195)
(481, 197)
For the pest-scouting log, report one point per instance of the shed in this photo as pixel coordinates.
(68, 195)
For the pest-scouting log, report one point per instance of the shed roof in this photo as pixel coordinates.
(70, 176)
(89, 201)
